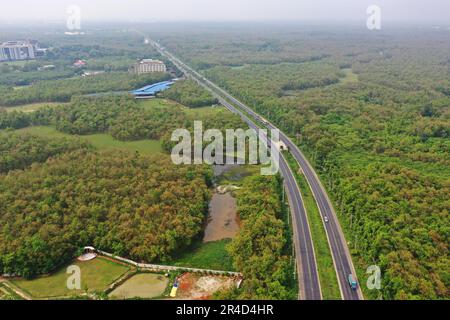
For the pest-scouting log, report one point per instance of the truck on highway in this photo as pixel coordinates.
(352, 282)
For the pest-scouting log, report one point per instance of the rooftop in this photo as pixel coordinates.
(150, 61)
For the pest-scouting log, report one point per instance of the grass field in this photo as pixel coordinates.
(19, 63)
(96, 275)
(155, 103)
(32, 106)
(193, 112)
(101, 141)
(144, 285)
(327, 273)
(210, 255)
(199, 112)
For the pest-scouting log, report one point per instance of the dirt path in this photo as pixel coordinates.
(16, 290)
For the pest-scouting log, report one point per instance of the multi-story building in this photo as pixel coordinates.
(17, 50)
(148, 66)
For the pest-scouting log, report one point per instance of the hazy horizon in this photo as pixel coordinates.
(411, 12)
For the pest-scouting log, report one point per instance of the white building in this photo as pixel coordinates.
(17, 50)
(148, 66)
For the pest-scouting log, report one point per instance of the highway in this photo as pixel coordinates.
(340, 253)
(308, 277)
(339, 250)
(309, 284)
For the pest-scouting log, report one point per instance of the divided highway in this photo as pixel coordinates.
(340, 253)
(308, 275)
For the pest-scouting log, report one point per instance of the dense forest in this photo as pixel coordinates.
(372, 112)
(142, 207)
(62, 90)
(18, 151)
(189, 93)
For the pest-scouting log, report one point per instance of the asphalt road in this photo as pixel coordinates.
(309, 284)
(341, 256)
(308, 277)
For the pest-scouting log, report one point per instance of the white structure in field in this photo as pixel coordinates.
(148, 66)
(17, 50)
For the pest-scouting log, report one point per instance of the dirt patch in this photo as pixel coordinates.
(222, 219)
(196, 287)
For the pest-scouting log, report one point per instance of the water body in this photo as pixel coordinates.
(223, 222)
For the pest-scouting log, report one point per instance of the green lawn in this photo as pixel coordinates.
(156, 103)
(32, 106)
(327, 273)
(210, 255)
(194, 112)
(19, 63)
(102, 141)
(96, 275)
(202, 111)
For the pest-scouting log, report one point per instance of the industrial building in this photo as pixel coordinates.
(151, 90)
(17, 50)
(148, 66)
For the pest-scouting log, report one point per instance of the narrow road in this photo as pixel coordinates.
(308, 277)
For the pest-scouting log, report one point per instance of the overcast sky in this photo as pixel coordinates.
(414, 11)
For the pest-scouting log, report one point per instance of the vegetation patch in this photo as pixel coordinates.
(142, 285)
(62, 90)
(209, 255)
(262, 249)
(141, 207)
(32, 106)
(190, 93)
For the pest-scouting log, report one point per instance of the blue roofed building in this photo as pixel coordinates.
(152, 90)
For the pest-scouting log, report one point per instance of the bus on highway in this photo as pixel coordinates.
(352, 282)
